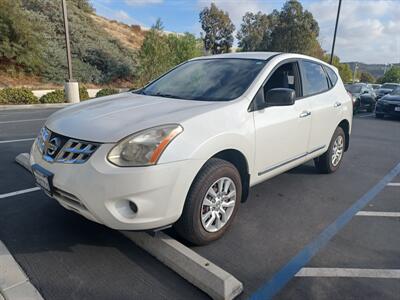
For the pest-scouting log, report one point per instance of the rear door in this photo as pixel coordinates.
(325, 107)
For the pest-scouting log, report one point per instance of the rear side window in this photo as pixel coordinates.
(332, 75)
(314, 79)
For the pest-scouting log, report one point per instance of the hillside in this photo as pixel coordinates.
(103, 51)
(130, 36)
(375, 70)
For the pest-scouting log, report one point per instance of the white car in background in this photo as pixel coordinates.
(185, 149)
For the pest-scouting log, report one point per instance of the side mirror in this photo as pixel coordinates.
(280, 97)
(365, 92)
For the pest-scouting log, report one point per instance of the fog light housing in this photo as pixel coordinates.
(126, 208)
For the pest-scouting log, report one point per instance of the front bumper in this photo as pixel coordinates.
(102, 192)
(388, 108)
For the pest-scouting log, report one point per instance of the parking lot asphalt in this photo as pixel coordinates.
(68, 257)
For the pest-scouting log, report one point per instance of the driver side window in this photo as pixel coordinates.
(284, 76)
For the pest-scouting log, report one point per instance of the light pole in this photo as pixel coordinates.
(334, 35)
(355, 71)
(71, 87)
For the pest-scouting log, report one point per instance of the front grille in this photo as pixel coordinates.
(75, 152)
(55, 147)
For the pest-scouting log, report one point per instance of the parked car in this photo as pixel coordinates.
(386, 88)
(376, 86)
(364, 96)
(186, 148)
(388, 105)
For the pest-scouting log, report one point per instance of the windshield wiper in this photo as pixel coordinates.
(166, 95)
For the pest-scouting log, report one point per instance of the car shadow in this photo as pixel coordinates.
(305, 169)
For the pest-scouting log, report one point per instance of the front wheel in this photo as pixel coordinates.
(211, 204)
(330, 161)
(379, 116)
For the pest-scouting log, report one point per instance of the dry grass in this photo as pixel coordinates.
(130, 36)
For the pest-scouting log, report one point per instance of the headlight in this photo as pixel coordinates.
(143, 148)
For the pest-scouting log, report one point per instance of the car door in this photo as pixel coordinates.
(281, 132)
(325, 107)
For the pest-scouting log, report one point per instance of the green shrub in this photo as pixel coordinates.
(17, 96)
(56, 96)
(83, 93)
(106, 92)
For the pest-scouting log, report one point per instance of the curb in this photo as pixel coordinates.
(33, 106)
(14, 284)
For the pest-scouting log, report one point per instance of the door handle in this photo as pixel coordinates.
(305, 114)
(337, 104)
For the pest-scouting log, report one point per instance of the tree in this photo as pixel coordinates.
(344, 69)
(20, 40)
(392, 75)
(295, 30)
(255, 32)
(366, 77)
(218, 29)
(160, 52)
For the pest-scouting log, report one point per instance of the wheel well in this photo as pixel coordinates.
(237, 158)
(346, 128)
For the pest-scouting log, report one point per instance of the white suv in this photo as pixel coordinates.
(186, 148)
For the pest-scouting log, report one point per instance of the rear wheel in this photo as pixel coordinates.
(330, 161)
(211, 204)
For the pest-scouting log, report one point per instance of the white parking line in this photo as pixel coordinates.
(378, 214)
(19, 192)
(20, 121)
(343, 272)
(15, 141)
(364, 116)
(393, 184)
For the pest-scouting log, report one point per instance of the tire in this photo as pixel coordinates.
(325, 163)
(190, 225)
(379, 116)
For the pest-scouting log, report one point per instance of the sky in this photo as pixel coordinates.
(369, 30)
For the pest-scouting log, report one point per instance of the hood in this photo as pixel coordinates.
(109, 119)
(384, 91)
(390, 98)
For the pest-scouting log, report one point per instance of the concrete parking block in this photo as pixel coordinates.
(23, 160)
(202, 273)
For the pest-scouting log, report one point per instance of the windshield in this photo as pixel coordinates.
(396, 92)
(389, 86)
(354, 88)
(220, 79)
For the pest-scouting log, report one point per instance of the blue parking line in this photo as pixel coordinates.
(282, 277)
